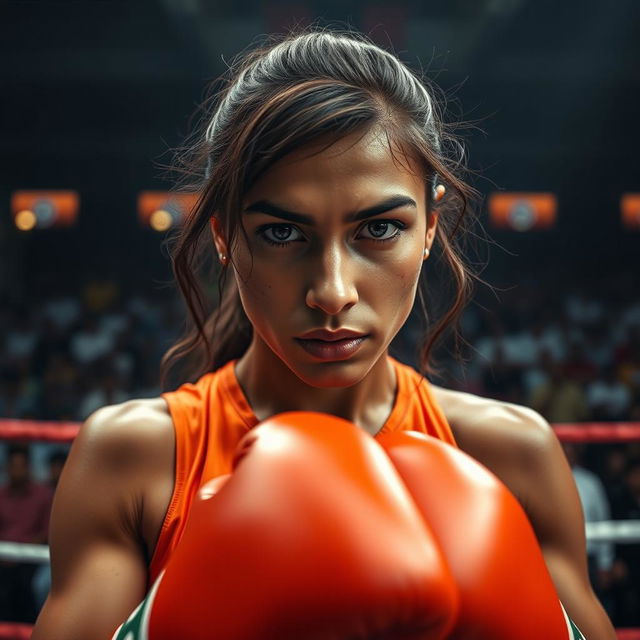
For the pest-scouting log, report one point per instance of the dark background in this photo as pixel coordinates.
(95, 94)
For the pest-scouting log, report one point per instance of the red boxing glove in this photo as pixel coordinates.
(505, 588)
(313, 536)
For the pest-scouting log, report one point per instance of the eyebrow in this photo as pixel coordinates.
(393, 202)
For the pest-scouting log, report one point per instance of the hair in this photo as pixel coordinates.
(274, 99)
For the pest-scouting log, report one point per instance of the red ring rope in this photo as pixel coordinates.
(568, 432)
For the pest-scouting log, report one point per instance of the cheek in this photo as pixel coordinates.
(266, 296)
(390, 293)
(252, 278)
(256, 293)
(401, 278)
(402, 288)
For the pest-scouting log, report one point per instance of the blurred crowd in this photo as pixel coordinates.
(65, 356)
(573, 360)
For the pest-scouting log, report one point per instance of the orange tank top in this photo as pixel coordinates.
(212, 415)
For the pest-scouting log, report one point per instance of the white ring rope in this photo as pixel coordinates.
(616, 531)
(20, 552)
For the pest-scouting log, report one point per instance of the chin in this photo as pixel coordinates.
(331, 374)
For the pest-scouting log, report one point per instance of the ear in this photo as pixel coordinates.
(432, 222)
(431, 229)
(218, 238)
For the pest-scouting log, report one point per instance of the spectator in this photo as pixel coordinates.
(634, 411)
(596, 508)
(24, 517)
(58, 397)
(613, 474)
(63, 310)
(628, 596)
(100, 293)
(559, 399)
(628, 359)
(583, 310)
(53, 341)
(502, 380)
(22, 335)
(56, 462)
(537, 375)
(598, 346)
(104, 387)
(487, 345)
(522, 349)
(554, 338)
(91, 342)
(577, 366)
(15, 401)
(608, 398)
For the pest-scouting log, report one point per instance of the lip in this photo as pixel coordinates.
(331, 336)
(332, 350)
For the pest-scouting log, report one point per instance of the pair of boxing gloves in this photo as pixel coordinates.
(323, 532)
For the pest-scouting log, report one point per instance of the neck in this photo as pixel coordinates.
(350, 391)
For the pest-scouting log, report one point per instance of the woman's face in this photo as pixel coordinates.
(335, 241)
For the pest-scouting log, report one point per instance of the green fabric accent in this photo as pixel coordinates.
(136, 626)
(576, 633)
(130, 630)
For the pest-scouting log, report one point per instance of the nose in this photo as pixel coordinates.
(332, 288)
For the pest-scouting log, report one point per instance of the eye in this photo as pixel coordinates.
(380, 228)
(278, 235)
(282, 235)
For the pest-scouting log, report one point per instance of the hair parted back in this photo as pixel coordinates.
(277, 98)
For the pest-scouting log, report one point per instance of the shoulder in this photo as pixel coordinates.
(129, 434)
(476, 420)
(123, 452)
(513, 441)
(151, 411)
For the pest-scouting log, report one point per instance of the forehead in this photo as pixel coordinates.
(355, 166)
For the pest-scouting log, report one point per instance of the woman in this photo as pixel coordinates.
(330, 180)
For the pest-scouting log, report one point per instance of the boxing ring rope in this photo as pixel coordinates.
(619, 532)
(52, 431)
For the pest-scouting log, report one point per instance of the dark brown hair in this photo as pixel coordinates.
(277, 98)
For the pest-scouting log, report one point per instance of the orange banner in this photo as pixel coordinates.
(523, 211)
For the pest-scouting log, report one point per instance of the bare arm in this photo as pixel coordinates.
(554, 508)
(98, 565)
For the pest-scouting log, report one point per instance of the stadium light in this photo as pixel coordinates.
(162, 210)
(44, 209)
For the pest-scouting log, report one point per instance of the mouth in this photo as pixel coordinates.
(331, 336)
(332, 349)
